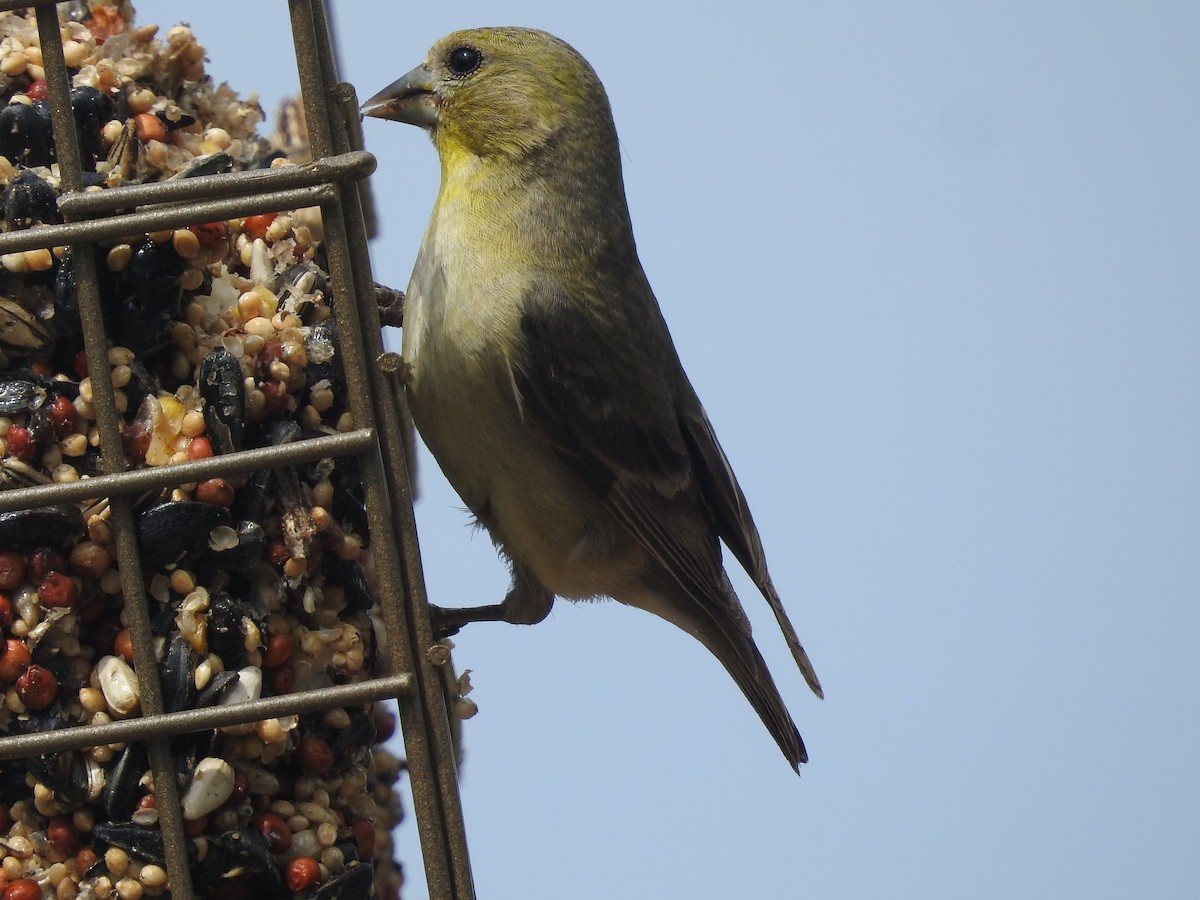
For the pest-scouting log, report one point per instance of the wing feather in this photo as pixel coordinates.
(737, 529)
(625, 436)
(650, 456)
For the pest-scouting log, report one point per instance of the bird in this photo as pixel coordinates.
(540, 371)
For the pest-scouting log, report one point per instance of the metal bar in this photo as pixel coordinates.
(137, 481)
(391, 369)
(113, 458)
(342, 167)
(358, 324)
(351, 119)
(403, 654)
(166, 725)
(393, 424)
(314, 77)
(161, 218)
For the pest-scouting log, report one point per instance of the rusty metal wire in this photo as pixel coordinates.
(333, 181)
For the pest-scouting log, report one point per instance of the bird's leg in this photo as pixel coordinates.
(527, 603)
(391, 305)
(446, 622)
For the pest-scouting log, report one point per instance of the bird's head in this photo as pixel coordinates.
(498, 92)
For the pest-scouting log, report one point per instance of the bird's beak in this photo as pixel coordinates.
(411, 98)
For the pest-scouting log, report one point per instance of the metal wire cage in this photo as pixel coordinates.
(416, 665)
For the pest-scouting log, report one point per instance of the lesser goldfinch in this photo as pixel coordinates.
(543, 378)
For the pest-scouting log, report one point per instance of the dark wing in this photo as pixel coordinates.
(594, 409)
(649, 454)
(736, 527)
(623, 435)
(646, 451)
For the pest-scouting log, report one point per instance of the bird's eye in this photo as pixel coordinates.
(464, 60)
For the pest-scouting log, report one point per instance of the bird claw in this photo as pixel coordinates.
(443, 622)
(391, 305)
(447, 622)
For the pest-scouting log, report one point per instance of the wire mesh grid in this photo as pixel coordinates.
(417, 668)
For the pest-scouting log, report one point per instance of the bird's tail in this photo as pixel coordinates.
(789, 634)
(746, 665)
(720, 623)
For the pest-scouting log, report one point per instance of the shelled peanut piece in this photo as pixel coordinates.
(221, 338)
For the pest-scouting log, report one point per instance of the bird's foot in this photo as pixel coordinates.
(391, 305)
(439, 620)
(447, 622)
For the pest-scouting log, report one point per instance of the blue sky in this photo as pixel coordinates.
(932, 270)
